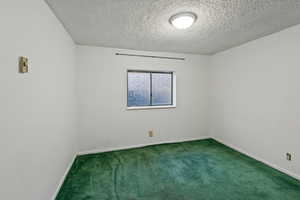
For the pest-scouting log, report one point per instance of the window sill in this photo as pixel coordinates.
(150, 107)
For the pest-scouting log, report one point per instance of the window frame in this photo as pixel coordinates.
(151, 106)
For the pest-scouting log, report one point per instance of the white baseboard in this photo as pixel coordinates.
(296, 176)
(139, 145)
(64, 177)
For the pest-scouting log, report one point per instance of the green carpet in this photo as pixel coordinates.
(198, 170)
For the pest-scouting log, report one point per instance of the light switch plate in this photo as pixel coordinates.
(23, 65)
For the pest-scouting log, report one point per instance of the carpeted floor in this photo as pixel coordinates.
(198, 170)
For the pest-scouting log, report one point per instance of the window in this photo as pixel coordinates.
(150, 89)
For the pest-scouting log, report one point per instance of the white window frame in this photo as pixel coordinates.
(152, 107)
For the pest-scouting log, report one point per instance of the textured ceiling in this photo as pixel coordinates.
(144, 25)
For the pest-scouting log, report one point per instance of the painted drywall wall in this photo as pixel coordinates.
(255, 95)
(104, 121)
(37, 109)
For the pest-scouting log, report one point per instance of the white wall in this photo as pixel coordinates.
(255, 98)
(104, 121)
(37, 110)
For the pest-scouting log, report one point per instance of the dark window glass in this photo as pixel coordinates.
(149, 88)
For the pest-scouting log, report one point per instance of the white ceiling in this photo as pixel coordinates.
(144, 25)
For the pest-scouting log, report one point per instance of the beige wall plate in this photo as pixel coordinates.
(23, 64)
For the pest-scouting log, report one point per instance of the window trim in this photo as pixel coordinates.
(173, 92)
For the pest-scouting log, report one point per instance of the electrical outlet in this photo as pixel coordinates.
(151, 133)
(289, 156)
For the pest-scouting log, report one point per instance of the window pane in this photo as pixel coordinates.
(138, 89)
(161, 89)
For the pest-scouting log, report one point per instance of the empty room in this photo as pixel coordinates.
(150, 100)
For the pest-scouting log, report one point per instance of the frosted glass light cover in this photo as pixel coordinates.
(183, 20)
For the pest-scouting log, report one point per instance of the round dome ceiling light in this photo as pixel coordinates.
(183, 20)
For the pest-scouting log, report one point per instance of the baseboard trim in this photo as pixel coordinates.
(64, 176)
(95, 151)
(296, 176)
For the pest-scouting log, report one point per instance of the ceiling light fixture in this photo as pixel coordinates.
(183, 20)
